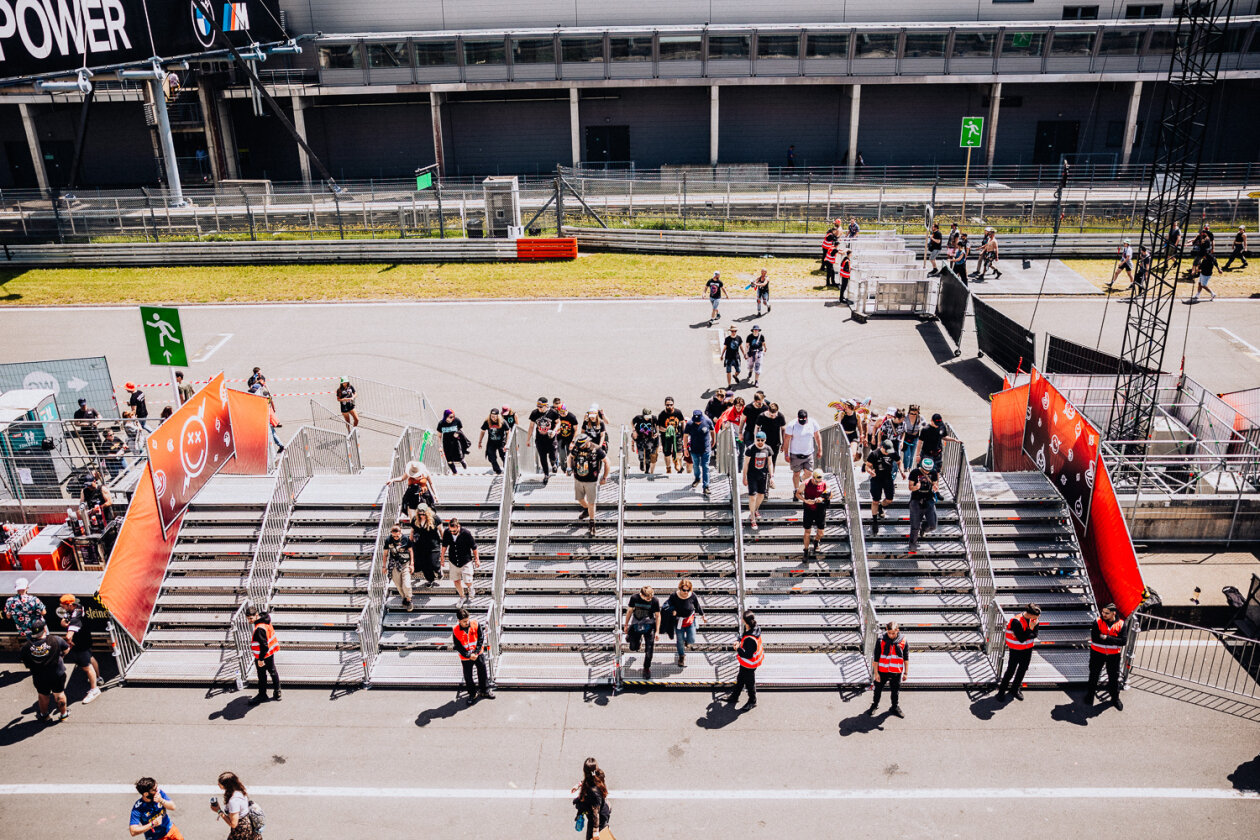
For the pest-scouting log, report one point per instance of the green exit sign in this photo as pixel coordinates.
(972, 131)
(423, 182)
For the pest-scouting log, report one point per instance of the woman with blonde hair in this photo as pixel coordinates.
(685, 606)
(426, 543)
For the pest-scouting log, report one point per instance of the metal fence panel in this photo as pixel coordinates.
(1011, 346)
(1215, 661)
(952, 309)
(69, 379)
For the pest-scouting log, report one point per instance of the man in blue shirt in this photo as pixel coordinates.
(150, 815)
(700, 441)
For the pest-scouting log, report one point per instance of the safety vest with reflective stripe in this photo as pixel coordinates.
(844, 267)
(1014, 643)
(1100, 647)
(758, 655)
(892, 656)
(467, 638)
(830, 256)
(272, 644)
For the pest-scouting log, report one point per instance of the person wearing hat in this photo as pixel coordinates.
(646, 437)
(135, 399)
(595, 427)
(815, 496)
(509, 416)
(419, 487)
(585, 461)
(23, 609)
(923, 485)
(933, 437)
(755, 349)
(345, 399)
(802, 440)
(1021, 637)
(454, 445)
(1124, 262)
(426, 544)
(43, 655)
(757, 475)
(88, 425)
(732, 347)
(716, 290)
(566, 424)
(79, 635)
(1240, 249)
(493, 435)
(700, 444)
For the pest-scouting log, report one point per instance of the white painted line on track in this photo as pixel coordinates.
(672, 794)
(223, 339)
(1252, 350)
(560, 306)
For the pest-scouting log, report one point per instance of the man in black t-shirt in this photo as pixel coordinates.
(566, 425)
(647, 440)
(1240, 249)
(923, 484)
(732, 347)
(135, 399)
(542, 434)
(584, 462)
(79, 635)
(42, 655)
(460, 550)
(643, 624)
(718, 403)
(757, 476)
(715, 289)
(881, 465)
(772, 422)
(932, 439)
(89, 427)
(670, 423)
(399, 564)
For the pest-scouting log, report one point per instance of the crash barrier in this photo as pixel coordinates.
(897, 297)
(533, 250)
(1215, 661)
(141, 254)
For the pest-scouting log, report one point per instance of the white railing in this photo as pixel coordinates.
(1216, 661)
(503, 538)
(368, 625)
(623, 455)
(126, 650)
(835, 460)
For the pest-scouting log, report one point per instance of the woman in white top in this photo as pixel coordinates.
(235, 810)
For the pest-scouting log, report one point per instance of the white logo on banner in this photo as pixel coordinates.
(1041, 458)
(1089, 475)
(1069, 412)
(38, 380)
(1055, 443)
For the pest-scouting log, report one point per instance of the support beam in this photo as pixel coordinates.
(299, 125)
(166, 140)
(713, 125)
(855, 108)
(1130, 124)
(435, 118)
(575, 128)
(210, 127)
(995, 105)
(32, 141)
(227, 131)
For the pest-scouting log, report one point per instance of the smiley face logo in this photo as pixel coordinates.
(194, 446)
(159, 482)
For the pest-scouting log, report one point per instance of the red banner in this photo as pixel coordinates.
(188, 448)
(1008, 409)
(1063, 445)
(250, 422)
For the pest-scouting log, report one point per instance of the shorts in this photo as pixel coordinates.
(732, 365)
(934, 247)
(800, 462)
(1204, 279)
(50, 683)
(815, 517)
(757, 483)
(586, 491)
(763, 294)
(670, 447)
(715, 302)
(460, 573)
(1125, 265)
(882, 488)
(347, 407)
(80, 656)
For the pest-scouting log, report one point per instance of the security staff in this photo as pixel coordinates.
(750, 652)
(264, 645)
(470, 646)
(1106, 643)
(892, 663)
(1021, 637)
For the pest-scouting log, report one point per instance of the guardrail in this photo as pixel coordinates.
(837, 461)
(275, 252)
(242, 633)
(125, 648)
(511, 471)
(736, 517)
(618, 648)
(1214, 660)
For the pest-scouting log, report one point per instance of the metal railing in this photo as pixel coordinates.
(1214, 660)
(503, 538)
(836, 460)
(242, 633)
(728, 443)
(293, 470)
(368, 625)
(126, 650)
(623, 460)
(956, 474)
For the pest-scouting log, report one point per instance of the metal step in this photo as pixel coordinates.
(224, 548)
(956, 667)
(202, 600)
(908, 583)
(189, 583)
(782, 669)
(417, 667)
(923, 601)
(328, 549)
(1072, 580)
(203, 666)
(576, 619)
(928, 619)
(761, 602)
(209, 565)
(917, 564)
(350, 516)
(555, 668)
(1007, 565)
(226, 533)
(1047, 600)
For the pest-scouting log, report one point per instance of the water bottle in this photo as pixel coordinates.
(580, 822)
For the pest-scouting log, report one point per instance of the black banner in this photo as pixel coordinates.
(1010, 346)
(1063, 356)
(52, 36)
(952, 309)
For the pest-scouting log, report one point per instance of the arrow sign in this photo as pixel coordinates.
(76, 384)
(164, 336)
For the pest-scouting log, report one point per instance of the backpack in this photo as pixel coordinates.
(257, 817)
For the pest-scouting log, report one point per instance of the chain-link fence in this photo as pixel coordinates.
(49, 460)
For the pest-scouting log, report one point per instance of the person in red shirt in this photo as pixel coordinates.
(815, 496)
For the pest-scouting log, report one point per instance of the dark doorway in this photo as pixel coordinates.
(20, 168)
(608, 144)
(58, 158)
(1054, 139)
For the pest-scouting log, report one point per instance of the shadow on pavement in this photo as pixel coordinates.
(1077, 713)
(702, 325)
(1247, 776)
(1247, 710)
(444, 712)
(984, 707)
(718, 715)
(862, 724)
(598, 696)
(19, 729)
(236, 709)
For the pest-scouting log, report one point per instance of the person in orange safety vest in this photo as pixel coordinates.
(1021, 637)
(750, 652)
(264, 645)
(892, 663)
(470, 644)
(1106, 644)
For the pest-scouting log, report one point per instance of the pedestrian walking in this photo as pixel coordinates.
(459, 549)
(923, 486)
(509, 416)
(426, 544)
(989, 256)
(493, 436)
(718, 403)
(1207, 265)
(881, 466)
(237, 809)
(716, 290)
(542, 433)
(23, 609)
(734, 417)
(264, 646)
(845, 270)
(642, 625)
(43, 654)
(1124, 262)
(749, 653)
(419, 488)
(399, 563)
(1142, 271)
(772, 422)
(132, 431)
(88, 426)
(595, 427)
(803, 440)
(1021, 637)
(470, 645)
(646, 437)
(670, 422)
(685, 607)
(591, 801)
(757, 476)
(933, 437)
(761, 287)
(1240, 249)
(962, 250)
(345, 400)
(934, 238)
(137, 403)
(585, 462)
(911, 429)
(814, 497)
(74, 621)
(185, 389)
(732, 350)
(566, 425)
(700, 443)
(151, 814)
(954, 234)
(755, 349)
(892, 665)
(1174, 238)
(1106, 645)
(455, 444)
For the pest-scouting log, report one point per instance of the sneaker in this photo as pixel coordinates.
(1017, 694)
(706, 490)
(647, 673)
(896, 711)
(41, 717)
(410, 606)
(682, 661)
(91, 695)
(472, 699)
(753, 525)
(546, 478)
(1001, 695)
(871, 709)
(275, 698)
(749, 706)
(695, 484)
(488, 694)
(66, 713)
(1119, 704)
(874, 527)
(585, 513)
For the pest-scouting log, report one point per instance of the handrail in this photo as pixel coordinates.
(1231, 666)
(503, 539)
(836, 460)
(737, 521)
(125, 649)
(621, 552)
(368, 625)
(241, 632)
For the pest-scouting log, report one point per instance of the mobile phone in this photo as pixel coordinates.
(214, 800)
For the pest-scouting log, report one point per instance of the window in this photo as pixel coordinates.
(1080, 13)
(1127, 41)
(1023, 44)
(1179, 9)
(578, 50)
(1072, 43)
(533, 51)
(827, 46)
(1162, 42)
(484, 52)
(876, 45)
(778, 46)
(729, 46)
(1143, 11)
(435, 53)
(638, 48)
(925, 45)
(974, 44)
(680, 47)
(340, 57)
(388, 55)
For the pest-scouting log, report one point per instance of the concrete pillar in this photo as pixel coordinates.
(713, 125)
(32, 141)
(995, 104)
(435, 117)
(167, 142)
(575, 128)
(1130, 123)
(299, 125)
(210, 126)
(855, 107)
(227, 135)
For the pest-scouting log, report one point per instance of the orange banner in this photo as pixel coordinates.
(250, 421)
(1008, 410)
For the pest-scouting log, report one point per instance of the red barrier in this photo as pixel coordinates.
(546, 249)
(1008, 410)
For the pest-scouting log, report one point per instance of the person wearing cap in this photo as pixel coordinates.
(509, 416)
(455, 445)
(43, 655)
(566, 424)
(761, 288)
(1240, 249)
(426, 544)
(23, 609)
(815, 497)
(732, 350)
(646, 437)
(1021, 637)
(802, 441)
(1124, 262)
(700, 443)
(79, 635)
(345, 399)
(399, 563)
(185, 389)
(923, 485)
(670, 423)
(595, 427)
(585, 461)
(881, 466)
(757, 476)
(542, 434)
(933, 437)
(419, 487)
(493, 436)
(755, 349)
(88, 425)
(716, 290)
(642, 625)
(95, 495)
(137, 403)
